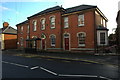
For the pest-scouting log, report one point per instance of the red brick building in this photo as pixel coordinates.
(80, 28)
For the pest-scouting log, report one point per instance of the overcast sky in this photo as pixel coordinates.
(16, 11)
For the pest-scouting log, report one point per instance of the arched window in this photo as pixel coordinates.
(43, 36)
(52, 22)
(34, 25)
(21, 41)
(34, 42)
(43, 24)
(52, 39)
(81, 38)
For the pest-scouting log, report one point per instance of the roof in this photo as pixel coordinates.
(65, 11)
(79, 8)
(102, 28)
(47, 10)
(8, 30)
(24, 22)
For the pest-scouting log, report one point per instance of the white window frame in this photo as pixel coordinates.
(34, 42)
(104, 23)
(81, 21)
(21, 29)
(34, 25)
(42, 23)
(21, 41)
(52, 22)
(81, 45)
(27, 37)
(98, 38)
(28, 27)
(101, 40)
(51, 40)
(66, 24)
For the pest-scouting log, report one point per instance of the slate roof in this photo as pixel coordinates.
(68, 10)
(24, 22)
(79, 8)
(65, 11)
(47, 10)
(8, 30)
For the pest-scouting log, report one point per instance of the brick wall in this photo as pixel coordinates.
(10, 41)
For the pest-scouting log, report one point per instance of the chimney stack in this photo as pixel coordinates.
(5, 24)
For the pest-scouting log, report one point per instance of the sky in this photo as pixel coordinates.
(17, 11)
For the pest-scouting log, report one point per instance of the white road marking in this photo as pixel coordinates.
(34, 67)
(105, 78)
(48, 71)
(15, 64)
(69, 75)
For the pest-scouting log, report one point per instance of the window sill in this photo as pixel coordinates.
(82, 45)
(52, 45)
(81, 25)
(66, 27)
(42, 29)
(52, 27)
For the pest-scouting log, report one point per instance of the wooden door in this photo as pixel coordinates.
(66, 43)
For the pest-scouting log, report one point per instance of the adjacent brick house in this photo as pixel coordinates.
(80, 28)
(8, 37)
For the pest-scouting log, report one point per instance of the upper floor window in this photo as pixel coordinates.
(21, 29)
(28, 29)
(43, 24)
(52, 22)
(81, 39)
(66, 22)
(52, 38)
(81, 20)
(104, 23)
(27, 37)
(102, 38)
(34, 25)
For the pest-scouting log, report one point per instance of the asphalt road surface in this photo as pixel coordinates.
(22, 67)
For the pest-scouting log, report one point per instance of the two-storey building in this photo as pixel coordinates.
(80, 28)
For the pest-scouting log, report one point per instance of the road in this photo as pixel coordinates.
(22, 67)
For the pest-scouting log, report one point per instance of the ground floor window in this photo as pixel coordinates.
(21, 41)
(52, 38)
(102, 38)
(81, 38)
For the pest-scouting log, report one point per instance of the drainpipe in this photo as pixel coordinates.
(95, 33)
(61, 31)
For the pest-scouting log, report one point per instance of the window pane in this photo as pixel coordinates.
(65, 22)
(34, 25)
(52, 22)
(81, 20)
(81, 39)
(52, 40)
(102, 38)
(43, 24)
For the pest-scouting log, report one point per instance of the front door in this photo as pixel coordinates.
(43, 44)
(66, 43)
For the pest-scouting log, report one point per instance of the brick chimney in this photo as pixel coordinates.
(5, 24)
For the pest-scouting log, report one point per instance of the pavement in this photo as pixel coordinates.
(98, 58)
